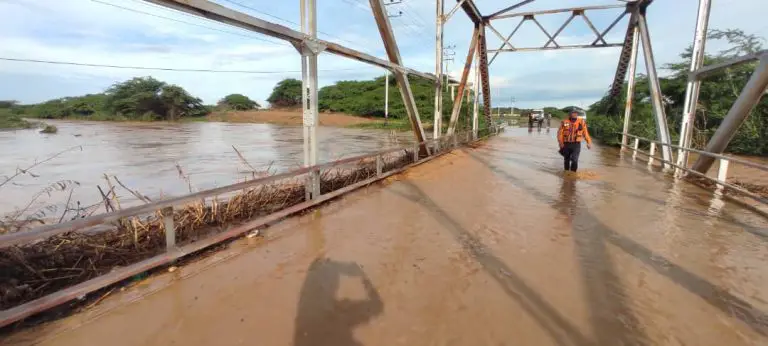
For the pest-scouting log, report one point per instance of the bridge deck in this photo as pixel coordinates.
(479, 247)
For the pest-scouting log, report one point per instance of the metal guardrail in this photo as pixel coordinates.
(434, 147)
(722, 172)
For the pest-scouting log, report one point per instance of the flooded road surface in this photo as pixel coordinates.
(144, 156)
(485, 246)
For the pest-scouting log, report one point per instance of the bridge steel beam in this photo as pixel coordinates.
(662, 129)
(471, 10)
(390, 45)
(437, 120)
(630, 41)
(309, 52)
(459, 97)
(484, 77)
(692, 89)
(551, 43)
(738, 113)
(630, 85)
(219, 13)
(510, 8)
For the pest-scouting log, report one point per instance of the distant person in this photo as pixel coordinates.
(572, 131)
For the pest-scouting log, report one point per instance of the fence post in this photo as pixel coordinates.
(652, 152)
(379, 165)
(722, 171)
(416, 153)
(634, 148)
(170, 230)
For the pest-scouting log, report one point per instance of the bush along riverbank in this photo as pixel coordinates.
(718, 93)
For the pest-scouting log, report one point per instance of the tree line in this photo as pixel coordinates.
(141, 98)
(717, 95)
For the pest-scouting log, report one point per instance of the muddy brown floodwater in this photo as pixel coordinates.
(144, 157)
(485, 246)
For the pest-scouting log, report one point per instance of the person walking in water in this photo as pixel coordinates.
(572, 131)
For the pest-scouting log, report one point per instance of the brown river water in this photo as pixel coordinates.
(144, 157)
(486, 246)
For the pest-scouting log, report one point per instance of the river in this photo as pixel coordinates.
(144, 157)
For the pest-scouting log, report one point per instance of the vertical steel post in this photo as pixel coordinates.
(304, 99)
(476, 100)
(692, 90)
(386, 96)
(438, 116)
(738, 113)
(630, 86)
(309, 95)
(662, 131)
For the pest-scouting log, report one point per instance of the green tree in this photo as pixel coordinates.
(287, 93)
(149, 97)
(238, 102)
(8, 104)
(718, 93)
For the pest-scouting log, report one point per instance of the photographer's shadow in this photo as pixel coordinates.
(324, 320)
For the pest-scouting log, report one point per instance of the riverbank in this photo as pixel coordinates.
(14, 122)
(288, 117)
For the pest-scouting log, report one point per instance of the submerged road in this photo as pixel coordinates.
(484, 246)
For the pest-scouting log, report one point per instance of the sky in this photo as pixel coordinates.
(138, 33)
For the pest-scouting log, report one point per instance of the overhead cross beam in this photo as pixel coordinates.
(552, 43)
(221, 14)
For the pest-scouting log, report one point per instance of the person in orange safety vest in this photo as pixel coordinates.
(572, 131)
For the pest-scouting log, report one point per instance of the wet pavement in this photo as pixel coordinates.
(485, 246)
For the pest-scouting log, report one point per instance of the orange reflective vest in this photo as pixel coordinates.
(573, 131)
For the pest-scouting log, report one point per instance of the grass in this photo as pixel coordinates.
(9, 121)
(391, 124)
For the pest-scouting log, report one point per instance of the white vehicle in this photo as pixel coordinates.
(582, 113)
(537, 115)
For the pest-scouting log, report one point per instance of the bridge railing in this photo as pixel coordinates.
(721, 181)
(376, 166)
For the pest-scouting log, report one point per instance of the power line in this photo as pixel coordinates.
(237, 3)
(188, 23)
(419, 17)
(53, 62)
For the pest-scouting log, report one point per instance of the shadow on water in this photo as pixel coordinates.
(590, 233)
(322, 319)
(547, 316)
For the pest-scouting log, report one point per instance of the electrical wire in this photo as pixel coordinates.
(188, 23)
(237, 3)
(54, 62)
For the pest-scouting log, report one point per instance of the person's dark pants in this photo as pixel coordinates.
(571, 152)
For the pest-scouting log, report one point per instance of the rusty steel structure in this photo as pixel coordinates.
(637, 34)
